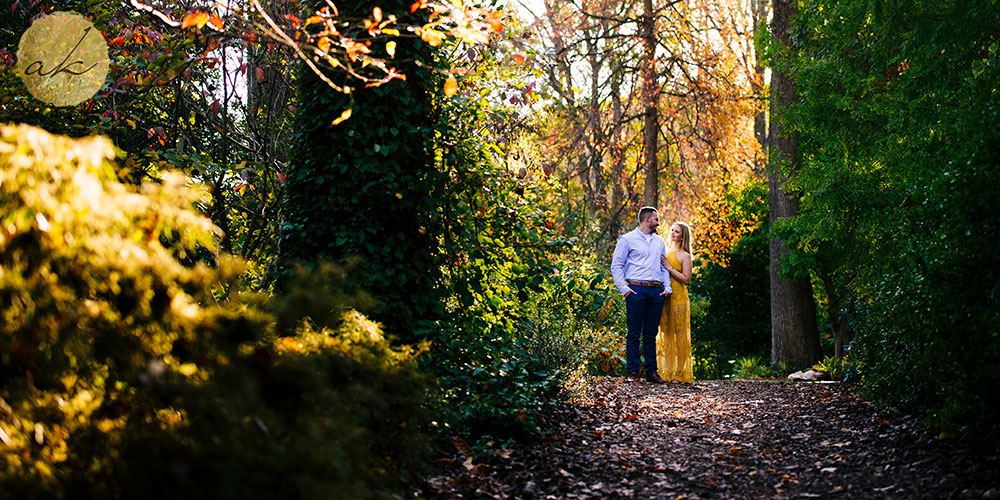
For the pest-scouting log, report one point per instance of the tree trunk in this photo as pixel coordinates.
(650, 97)
(794, 333)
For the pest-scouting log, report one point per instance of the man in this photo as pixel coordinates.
(644, 282)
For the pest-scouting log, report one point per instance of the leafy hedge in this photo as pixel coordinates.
(125, 373)
(897, 117)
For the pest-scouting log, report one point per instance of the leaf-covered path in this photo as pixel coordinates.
(725, 439)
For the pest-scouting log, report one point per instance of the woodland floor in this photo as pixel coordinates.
(724, 439)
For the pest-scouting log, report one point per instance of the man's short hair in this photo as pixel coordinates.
(646, 212)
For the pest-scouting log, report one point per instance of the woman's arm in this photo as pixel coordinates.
(684, 275)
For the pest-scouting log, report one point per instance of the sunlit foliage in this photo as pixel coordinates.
(125, 373)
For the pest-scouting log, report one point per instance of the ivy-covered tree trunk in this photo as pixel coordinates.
(362, 188)
(794, 333)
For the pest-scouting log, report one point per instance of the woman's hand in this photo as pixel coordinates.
(666, 262)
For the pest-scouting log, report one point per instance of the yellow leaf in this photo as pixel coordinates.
(391, 31)
(390, 48)
(377, 14)
(343, 116)
(450, 86)
(188, 369)
(198, 19)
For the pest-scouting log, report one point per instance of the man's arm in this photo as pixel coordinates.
(618, 265)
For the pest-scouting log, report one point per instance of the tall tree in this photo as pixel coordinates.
(650, 101)
(595, 135)
(794, 334)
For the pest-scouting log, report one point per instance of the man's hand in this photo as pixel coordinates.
(665, 293)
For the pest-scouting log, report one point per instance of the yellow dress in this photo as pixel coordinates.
(673, 342)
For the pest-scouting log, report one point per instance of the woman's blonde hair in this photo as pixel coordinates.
(685, 236)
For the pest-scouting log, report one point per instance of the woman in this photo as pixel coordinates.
(673, 343)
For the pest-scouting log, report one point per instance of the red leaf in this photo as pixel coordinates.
(260, 75)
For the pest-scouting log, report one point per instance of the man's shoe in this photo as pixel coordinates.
(633, 377)
(655, 379)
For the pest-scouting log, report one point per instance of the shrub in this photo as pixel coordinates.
(836, 368)
(123, 373)
(752, 367)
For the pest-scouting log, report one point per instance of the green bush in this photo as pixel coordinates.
(897, 119)
(751, 367)
(835, 367)
(124, 373)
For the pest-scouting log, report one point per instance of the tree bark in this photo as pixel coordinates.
(650, 97)
(794, 333)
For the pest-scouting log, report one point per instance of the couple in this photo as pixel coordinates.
(653, 277)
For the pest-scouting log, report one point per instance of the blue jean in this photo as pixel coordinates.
(642, 318)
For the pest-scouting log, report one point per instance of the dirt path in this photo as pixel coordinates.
(726, 439)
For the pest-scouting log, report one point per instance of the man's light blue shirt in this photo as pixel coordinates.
(637, 258)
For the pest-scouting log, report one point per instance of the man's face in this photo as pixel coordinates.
(653, 221)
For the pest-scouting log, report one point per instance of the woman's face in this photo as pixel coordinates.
(676, 234)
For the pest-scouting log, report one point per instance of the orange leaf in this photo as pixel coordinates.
(198, 19)
(343, 116)
(377, 14)
(323, 44)
(494, 21)
(216, 22)
(416, 6)
(518, 58)
(433, 38)
(314, 19)
(450, 86)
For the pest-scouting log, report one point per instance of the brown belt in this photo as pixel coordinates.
(644, 283)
